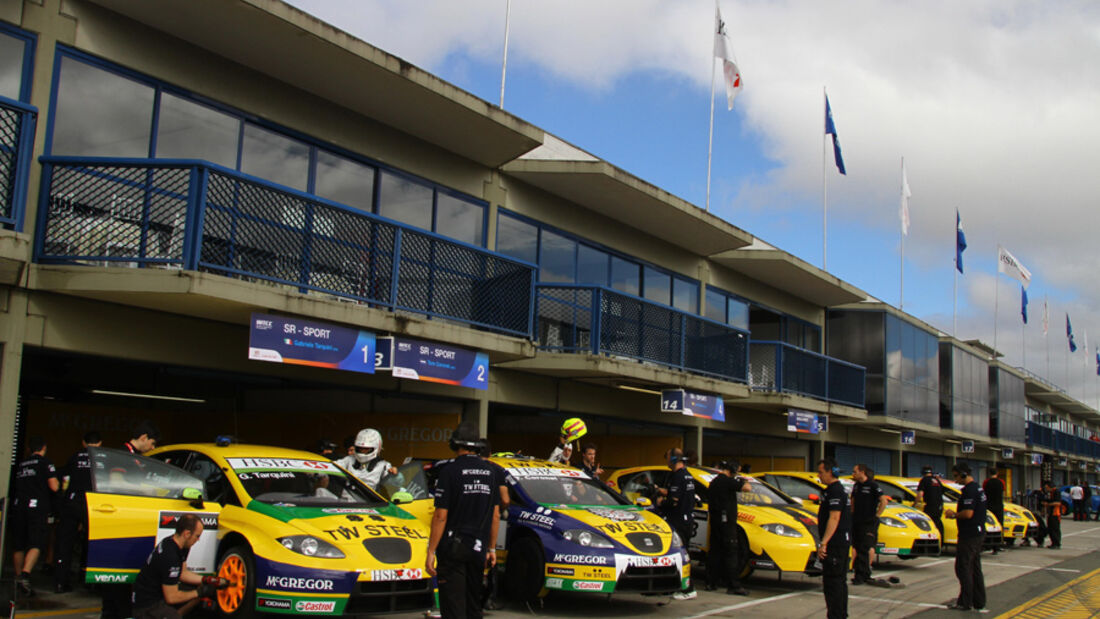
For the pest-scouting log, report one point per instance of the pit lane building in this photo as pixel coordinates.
(175, 175)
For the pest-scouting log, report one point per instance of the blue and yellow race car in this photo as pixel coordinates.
(291, 531)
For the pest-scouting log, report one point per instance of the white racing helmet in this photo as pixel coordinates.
(368, 445)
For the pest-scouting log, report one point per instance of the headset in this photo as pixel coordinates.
(836, 471)
(461, 443)
(674, 457)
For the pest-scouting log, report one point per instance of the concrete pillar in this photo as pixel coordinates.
(477, 411)
(13, 324)
(693, 441)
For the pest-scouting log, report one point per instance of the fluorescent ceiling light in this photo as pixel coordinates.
(639, 389)
(953, 441)
(147, 396)
(888, 431)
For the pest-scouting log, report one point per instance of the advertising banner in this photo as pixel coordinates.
(693, 403)
(802, 422)
(440, 363)
(281, 339)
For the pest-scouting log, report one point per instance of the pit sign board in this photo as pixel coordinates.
(439, 363)
(802, 422)
(693, 403)
(968, 447)
(908, 437)
(281, 339)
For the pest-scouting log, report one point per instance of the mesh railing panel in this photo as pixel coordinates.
(847, 384)
(564, 319)
(138, 213)
(714, 349)
(11, 128)
(112, 214)
(764, 362)
(803, 373)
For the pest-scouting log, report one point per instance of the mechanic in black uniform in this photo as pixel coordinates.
(834, 527)
(868, 501)
(930, 496)
(723, 552)
(995, 495)
(157, 593)
(491, 599)
(74, 510)
(968, 553)
(678, 507)
(1052, 507)
(35, 485)
(464, 527)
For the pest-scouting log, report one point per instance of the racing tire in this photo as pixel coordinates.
(239, 599)
(743, 553)
(525, 572)
(1010, 541)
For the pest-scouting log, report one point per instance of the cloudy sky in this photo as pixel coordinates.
(995, 106)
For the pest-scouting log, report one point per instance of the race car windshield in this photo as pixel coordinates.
(760, 493)
(304, 483)
(568, 491)
(410, 478)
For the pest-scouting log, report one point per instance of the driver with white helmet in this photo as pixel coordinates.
(366, 462)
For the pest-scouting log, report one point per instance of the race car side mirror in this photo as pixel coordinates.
(194, 495)
(643, 502)
(402, 497)
(815, 498)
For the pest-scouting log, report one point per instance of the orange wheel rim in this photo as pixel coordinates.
(232, 597)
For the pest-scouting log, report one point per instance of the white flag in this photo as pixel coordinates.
(905, 194)
(1010, 266)
(724, 49)
(1046, 317)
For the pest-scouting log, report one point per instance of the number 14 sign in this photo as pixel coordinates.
(691, 403)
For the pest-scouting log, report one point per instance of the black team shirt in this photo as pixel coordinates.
(973, 497)
(865, 499)
(722, 499)
(680, 504)
(469, 491)
(32, 479)
(835, 500)
(933, 493)
(163, 567)
(994, 491)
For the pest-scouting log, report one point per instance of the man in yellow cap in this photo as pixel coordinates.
(573, 429)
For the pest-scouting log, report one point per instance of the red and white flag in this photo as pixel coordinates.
(724, 49)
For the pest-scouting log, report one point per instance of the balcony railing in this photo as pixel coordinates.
(780, 367)
(599, 320)
(1064, 443)
(194, 215)
(17, 124)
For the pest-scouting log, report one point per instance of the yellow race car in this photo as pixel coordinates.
(904, 531)
(565, 531)
(778, 533)
(904, 491)
(1019, 523)
(291, 531)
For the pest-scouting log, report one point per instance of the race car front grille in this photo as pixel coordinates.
(389, 549)
(645, 542)
(922, 524)
(649, 579)
(925, 547)
(394, 596)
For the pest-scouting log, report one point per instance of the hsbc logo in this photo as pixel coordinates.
(402, 574)
(315, 607)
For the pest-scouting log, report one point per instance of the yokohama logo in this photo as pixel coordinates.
(273, 603)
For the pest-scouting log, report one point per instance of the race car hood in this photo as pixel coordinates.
(388, 533)
(796, 516)
(634, 527)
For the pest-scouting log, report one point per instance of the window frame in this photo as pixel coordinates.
(30, 45)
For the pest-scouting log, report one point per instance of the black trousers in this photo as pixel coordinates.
(117, 601)
(723, 554)
(160, 610)
(968, 569)
(1079, 512)
(937, 519)
(864, 539)
(459, 575)
(834, 577)
(1054, 530)
(72, 528)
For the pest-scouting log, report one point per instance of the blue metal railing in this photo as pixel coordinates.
(195, 215)
(600, 320)
(17, 125)
(781, 367)
(1040, 435)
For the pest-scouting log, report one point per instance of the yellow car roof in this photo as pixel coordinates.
(241, 450)
(808, 476)
(529, 462)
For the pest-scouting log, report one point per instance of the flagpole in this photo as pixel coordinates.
(1046, 332)
(710, 139)
(901, 266)
(504, 61)
(824, 195)
(996, 303)
(955, 293)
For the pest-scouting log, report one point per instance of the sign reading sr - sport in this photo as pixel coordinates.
(280, 339)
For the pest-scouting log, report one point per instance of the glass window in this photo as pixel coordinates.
(624, 276)
(12, 50)
(685, 295)
(716, 305)
(274, 157)
(738, 314)
(120, 472)
(187, 130)
(557, 258)
(765, 325)
(459, 219)
(403, 200)
(658, 286)
(592, 266)
(100, 114)
(516, 238)
(345, 181)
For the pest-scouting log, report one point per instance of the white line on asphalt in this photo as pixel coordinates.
(1086, 531)
(715, 611)
(1031, 567)
(903, 602)
(888, 573)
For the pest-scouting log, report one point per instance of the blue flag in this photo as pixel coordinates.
(1069, 335)
(1098, 363)
(830, 129)
(960, 243)
(1023, 303)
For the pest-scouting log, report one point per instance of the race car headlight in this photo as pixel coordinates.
(781, 529)
(310, 546)
(586, 538)
(676, 540)
(890, 521)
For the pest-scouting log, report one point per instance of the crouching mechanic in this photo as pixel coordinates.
(366, 462)
(157, 593)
